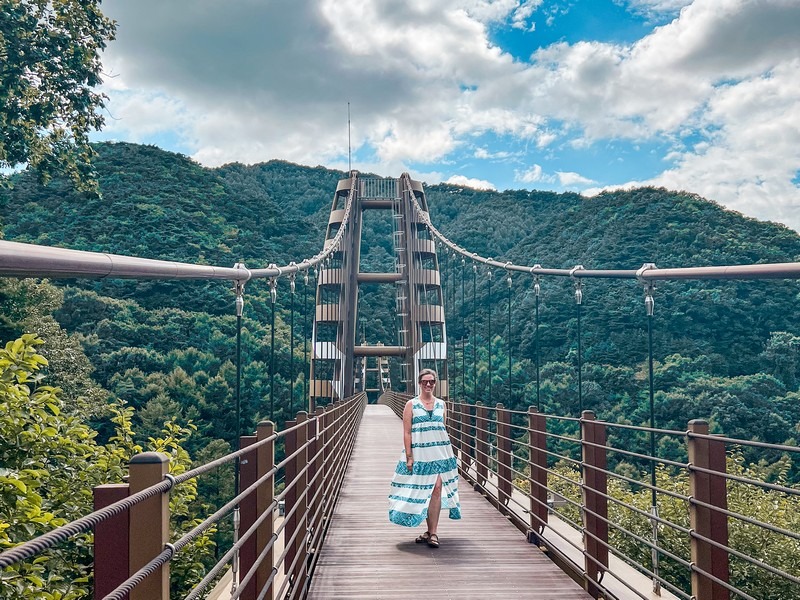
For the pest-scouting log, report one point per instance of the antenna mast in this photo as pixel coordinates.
(349, 164)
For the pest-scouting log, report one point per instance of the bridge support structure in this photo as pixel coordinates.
(336, 370)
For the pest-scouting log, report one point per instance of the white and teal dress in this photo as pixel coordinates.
(433, 456)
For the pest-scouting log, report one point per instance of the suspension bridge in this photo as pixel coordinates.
(309, 509)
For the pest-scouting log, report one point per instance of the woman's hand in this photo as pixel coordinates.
(410, 464)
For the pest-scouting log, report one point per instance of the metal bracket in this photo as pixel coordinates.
(649, 288)
(292, 277)
(537, 288)
(238, 288)
(273, 284)
(578, 284)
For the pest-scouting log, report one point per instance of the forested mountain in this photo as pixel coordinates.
(166, 348)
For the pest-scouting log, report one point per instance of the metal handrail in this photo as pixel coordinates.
(345, 423)
(31, 260)
(648, 271)
(470, 455)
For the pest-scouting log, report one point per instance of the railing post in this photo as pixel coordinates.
(309, 502)
(329, 455)
(265, 495)
(595, 502)
(248, 513)
(503, 440)
(149, 525)
(301, 522)
(290, 499)
(456, 418)
(110, 541)
(316, 506)
(537, 465)
(706, 522)
(467, 457)
(481, 443)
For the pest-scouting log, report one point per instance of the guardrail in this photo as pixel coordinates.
(131, 523)
(696, 536)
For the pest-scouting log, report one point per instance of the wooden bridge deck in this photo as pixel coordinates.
(481, 556)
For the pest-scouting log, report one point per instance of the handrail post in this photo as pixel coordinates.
(706, 522)
(537, 465)
(149, 525)
(265, 495)
(290, 499)
(503, 441)
(302, 503)
(329, 454)
(481, 443)
(316, 506)
(467, 448)
(110, 541)
(455, 418)
(248, 512)
(309, 502)
(595, 502)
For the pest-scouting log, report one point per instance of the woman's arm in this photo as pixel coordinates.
(407, 418)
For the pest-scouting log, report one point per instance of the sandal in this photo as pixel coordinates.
(423, 538)
(433, 540)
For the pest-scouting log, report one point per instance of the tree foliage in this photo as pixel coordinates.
(49, 65)
(50, 463)
(752, 502)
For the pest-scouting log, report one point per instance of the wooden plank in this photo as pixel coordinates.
(481, 556)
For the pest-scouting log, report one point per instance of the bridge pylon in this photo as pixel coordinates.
(337, 361)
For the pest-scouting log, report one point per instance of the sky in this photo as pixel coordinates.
(565, 95)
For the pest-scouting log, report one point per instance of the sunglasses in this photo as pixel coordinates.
(428, 382)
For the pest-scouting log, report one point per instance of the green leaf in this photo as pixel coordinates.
(15, 482)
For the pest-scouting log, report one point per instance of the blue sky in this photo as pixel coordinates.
(505, 94)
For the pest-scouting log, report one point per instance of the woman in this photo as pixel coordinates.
(426, 476)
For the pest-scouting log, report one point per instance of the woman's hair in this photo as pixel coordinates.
(427, 372)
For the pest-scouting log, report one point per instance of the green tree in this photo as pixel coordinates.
(49, 63)
(780, 357)
(50, 463)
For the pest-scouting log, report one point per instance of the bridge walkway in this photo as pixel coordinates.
(481, 556)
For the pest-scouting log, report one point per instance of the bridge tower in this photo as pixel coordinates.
(337, 361)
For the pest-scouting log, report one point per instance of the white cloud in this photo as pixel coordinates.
(252, 81)
(485, 154)
(532, 175)
(657, 7)
(478, 184)
(569, 179)
(517, 12)
(138, 114)
(751, 159)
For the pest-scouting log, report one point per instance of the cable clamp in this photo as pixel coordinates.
(273, 284)
(172, 550)
(238, 288)
(578, 284)
(172, 481)
(537, 288)
(641, 271)
(292, 276)
(649, 287)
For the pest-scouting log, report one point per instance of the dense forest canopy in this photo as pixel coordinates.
(724, 350)
(165, 346)
(152, 364)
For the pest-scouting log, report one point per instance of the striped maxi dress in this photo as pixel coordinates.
(433, 456)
